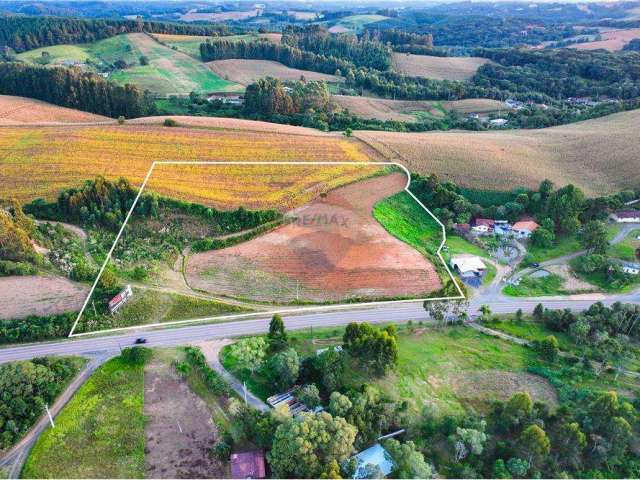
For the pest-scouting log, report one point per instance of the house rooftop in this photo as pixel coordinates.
(375, 455)
(628, 214)
(484, 221)
(526, 225)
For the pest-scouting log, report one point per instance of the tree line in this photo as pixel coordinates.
(22, 33)
(72, 88)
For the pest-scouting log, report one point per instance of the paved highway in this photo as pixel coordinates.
(384, 313)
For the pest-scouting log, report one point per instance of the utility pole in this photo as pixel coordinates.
(244, 390)
(46, 407)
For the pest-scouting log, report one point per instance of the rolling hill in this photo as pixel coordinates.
(246, 72)
(437, 68)
(22, 111)
(599, 155)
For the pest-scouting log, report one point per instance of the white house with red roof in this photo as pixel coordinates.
(524, 229)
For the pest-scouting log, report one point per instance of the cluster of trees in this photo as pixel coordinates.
(544, 75)
(561, 212)
(72, 88)
(97, 202)
(320, 445)
(397, 37)
(521, 438)
(602, 269)
(269, 96)
(606, 331)
(360, 51)
(373, 347)
(25, 388)
(17, 253)
(22, 33)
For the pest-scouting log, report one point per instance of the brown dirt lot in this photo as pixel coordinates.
(24, 111)
(400, 110)
(598, 155)
(179, 433)
(612, 40)
(438, 68)
(334, 251)
(249, 71)
(30, 295)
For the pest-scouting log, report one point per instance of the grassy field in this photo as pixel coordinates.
(411, 111)
(99, 433)
(536, 287)
(626, 250)
(190, 44)
(613, 40)
(437, 68)
(406, 220)
(39, 162)
(356, 22)
(169, 72)
(246, 72)
(597, 155)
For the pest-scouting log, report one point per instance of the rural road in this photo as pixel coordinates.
(384, 313)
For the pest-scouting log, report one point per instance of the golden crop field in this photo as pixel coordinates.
(39, 162)
(438, 68)
(599, 155)
(21, 110)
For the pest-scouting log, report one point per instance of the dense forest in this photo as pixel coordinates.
(26, 33)
(561, 73)
(362, 52)
(74, 89)
(25, 388)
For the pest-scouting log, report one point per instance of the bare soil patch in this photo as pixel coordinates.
(572, 283)
(24, 111)
(438, 68)
(35, 295)
(249, 71)
(335, 250)
(489, 385)
(180, 433)
(612, 40)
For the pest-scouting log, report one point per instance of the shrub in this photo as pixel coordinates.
(170, 122)
(136, 355)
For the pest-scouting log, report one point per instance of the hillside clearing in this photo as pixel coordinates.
(246, 72)
(168, 72)
(21, 111)
(334, 250)
(355, 23)
(612, 40)
(437, 68)
(40, 162)
(195, 16)
(410, 111)
(598, 155)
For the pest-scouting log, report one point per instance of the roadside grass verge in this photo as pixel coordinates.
(100, 432)
(552, 284)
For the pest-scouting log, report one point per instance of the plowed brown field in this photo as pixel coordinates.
(333, 251)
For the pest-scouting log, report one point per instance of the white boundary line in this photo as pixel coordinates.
(268, 312)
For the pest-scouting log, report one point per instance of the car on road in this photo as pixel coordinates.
(140, 341)
(535, 265)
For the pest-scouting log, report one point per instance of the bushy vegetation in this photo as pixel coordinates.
(17, 253)
(74, 89)
(36, 328)
(25, 388)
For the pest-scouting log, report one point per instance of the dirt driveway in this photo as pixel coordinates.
(334, 250)
(180, 434)
(39, 295)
